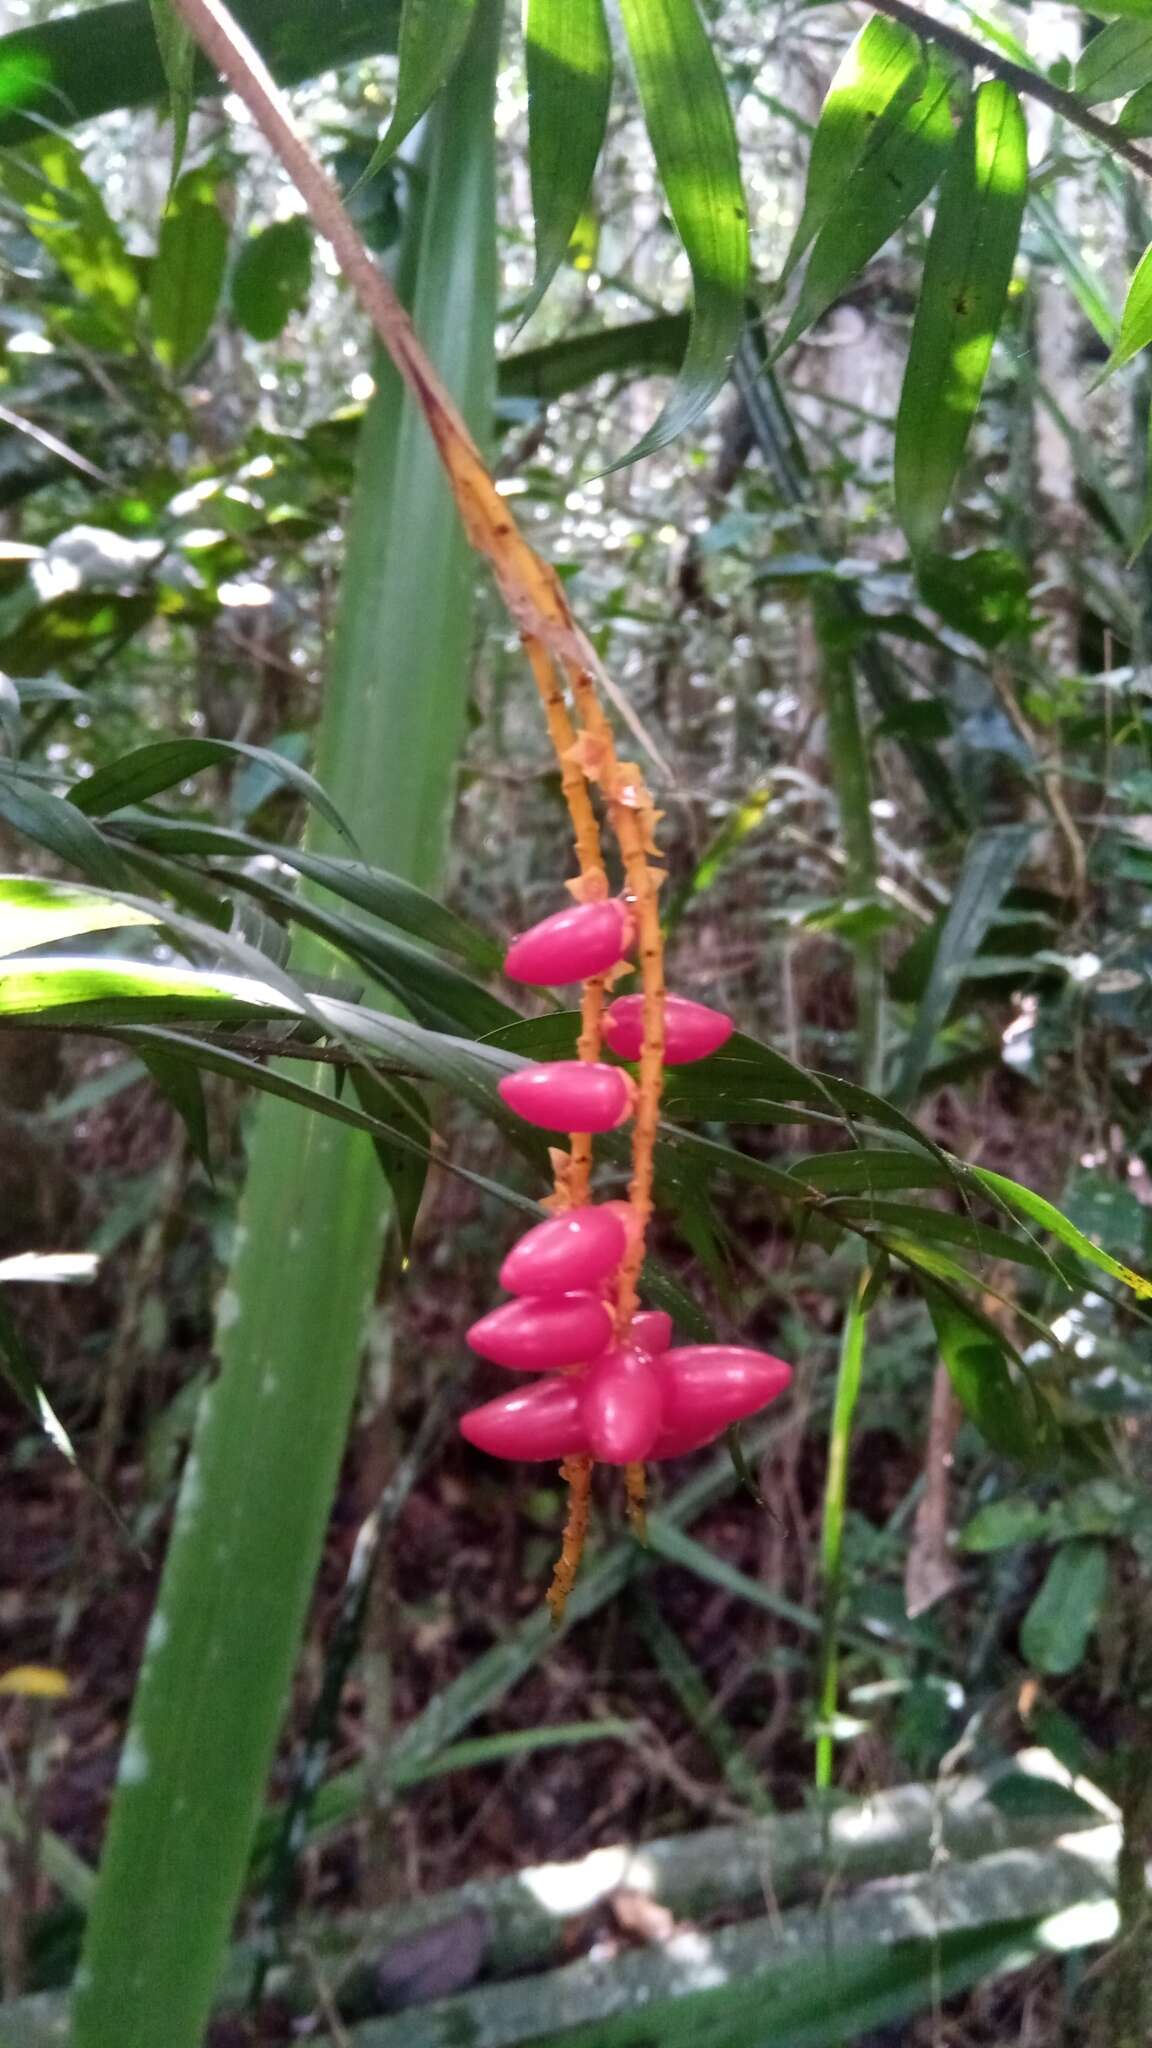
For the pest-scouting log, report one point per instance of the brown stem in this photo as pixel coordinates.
(1017, 75)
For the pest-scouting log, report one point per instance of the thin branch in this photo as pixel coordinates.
(1033, 83)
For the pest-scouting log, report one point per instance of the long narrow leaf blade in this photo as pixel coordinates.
(432, 35)
(966, 278)
(1116, 62)
(163, 763)
(568, 55)
(177, 47)
(1136, 319)
(896, 172)
(881, 65)
(690, 124)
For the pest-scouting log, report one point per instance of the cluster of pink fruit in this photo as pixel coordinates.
(619, 1401)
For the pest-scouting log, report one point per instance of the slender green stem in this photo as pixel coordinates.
(848, 1378)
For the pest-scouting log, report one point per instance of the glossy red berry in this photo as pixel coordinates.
(691, 1030)
(650, 1330)
(705, 1387)
(579, 1248)
(570, 1095)
(620, 1403)
(587, 938)
(541, 1332)
(541, 1420)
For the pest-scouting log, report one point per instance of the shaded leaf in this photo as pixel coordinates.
(689, 121)
(58, 826)
(397, 1106)
(432, 36)
(1004, 1523)
(1009, 1412)
(939, 1226)
(1135, 116)
(843, 1173)
(1054, 1633)
(19, 1367)
(162, 763)
(181, 1083)
(388, 897)
(273, 277)
(907, 151)
(967, 272)
(983, 594)
(1116, 62)
(177, 47)
(568, 54)
(991, 860)
(883, 64)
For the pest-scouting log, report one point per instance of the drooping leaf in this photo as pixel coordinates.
(58, 826)
(186, 277)
(847, 1173)
(1136, 319)
(177, 47)
(940, 1226)
(882, 65)
(967, 273)
(1035, 1209)
(273, 277)
(179, 1081)
(162, 763)
(568, 54)
(1009, 1411)
(398, 1106)
(74, 985)
(40, 913)
(900, 164)
(1054, 1633)
(991, 860)
(19, 1367)
(1116, 62)
(690, 125)
(558, 367)
(432, 35)
(65, 212)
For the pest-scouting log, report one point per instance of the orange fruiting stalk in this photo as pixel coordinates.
(555, 646)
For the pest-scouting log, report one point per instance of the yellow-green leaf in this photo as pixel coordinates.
(904, 156)
(882, 65)
(184, 288)
(65, 212)
(690, 125)
(177, 47)
(39, 913)
(1136, 319)
(1034, 1209)
(568, 55)
(966, 277)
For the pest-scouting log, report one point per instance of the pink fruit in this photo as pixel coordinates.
(579, 1248)
(587, 938)
(570, 1095)
(691, 1030)
(541, 1332)
(541, 1420)
(650, 1331)
(705, 1387)
(620, 1403)
(677, 1443)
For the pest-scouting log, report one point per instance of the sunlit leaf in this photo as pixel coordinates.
(71, 986)
(1035, 1209)
(568, 55)
(900, 164)
(689, 121)
(883, 64)
(967, 273)
(188, 271)
(273, 277)
(64, 210)
(163, 763)
(1116, 62)
(1054, 1633)
(432, 35)
(1136, 319)
(38, 913)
